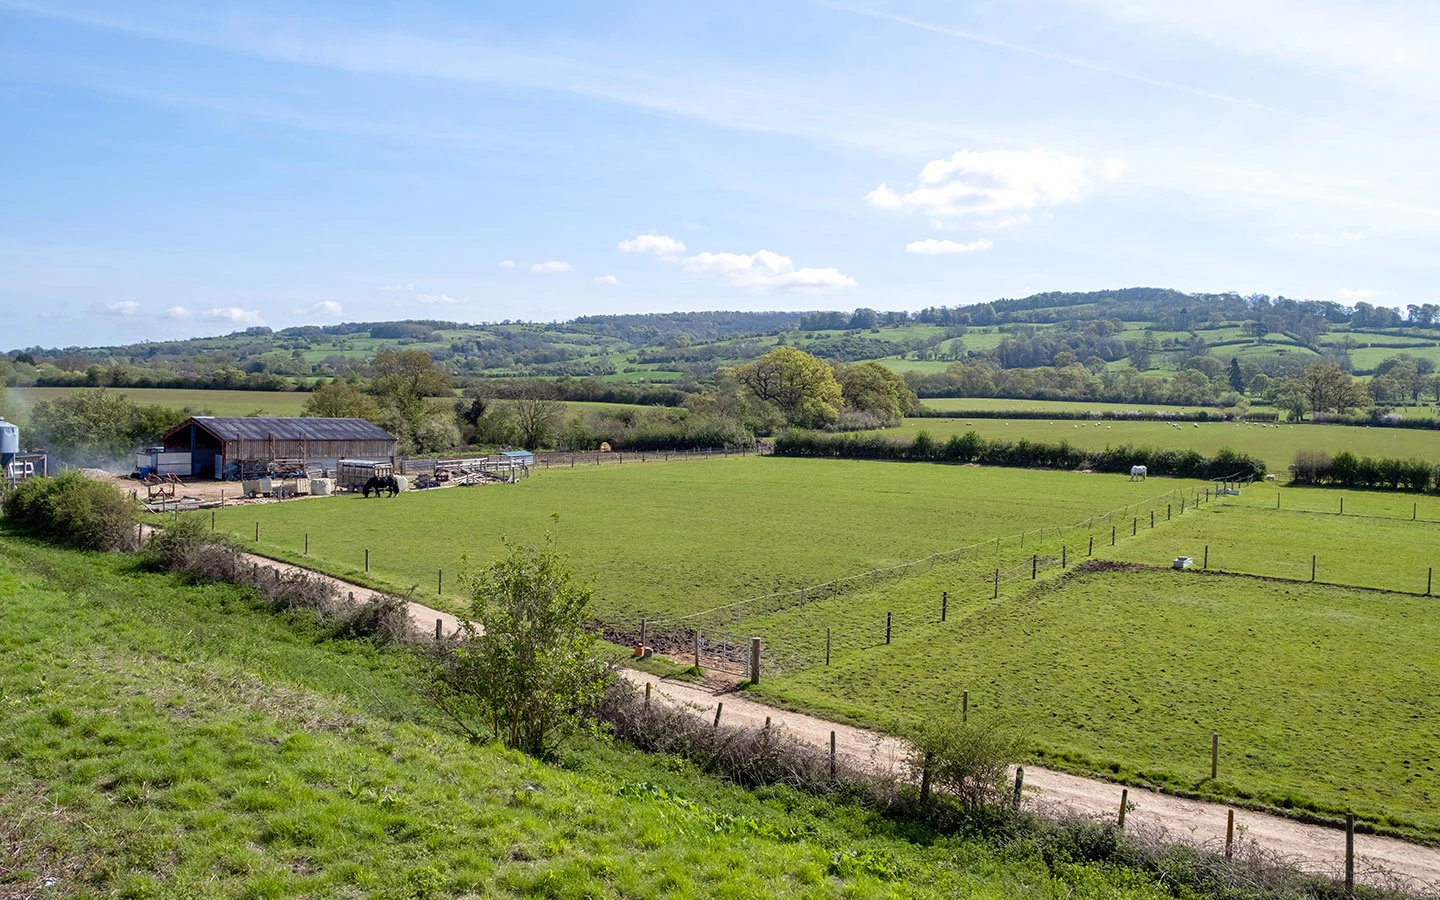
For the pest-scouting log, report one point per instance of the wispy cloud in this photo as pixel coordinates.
(403, 288)
(179, 312)
(658, 244)
(606, 279)
(328, 309)
(123, 308)
(763, 271)
(996, 183)
(235, 315)
(935, 247)
(441, 299)
(551, 265)
(507, 263)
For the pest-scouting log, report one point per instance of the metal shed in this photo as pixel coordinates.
(219, 445)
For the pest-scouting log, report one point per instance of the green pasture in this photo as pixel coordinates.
(669, 538)
(1277, 446)
(1322, 695)
(219, 403)
(1001, 404)
(162, 739)
(1370, 357)
(1374, 544)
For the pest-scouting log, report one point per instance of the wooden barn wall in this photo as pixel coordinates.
(309, 449)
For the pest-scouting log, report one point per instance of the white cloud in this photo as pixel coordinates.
(405, 288)
(934, 247)
(766, 271)
(234, 315)
(436, 299)
(507, 263)
(553, 265)
(179, 312)
(607, 279)
(123, 308)
(326, 308)
(658, 244)
(1005, 183)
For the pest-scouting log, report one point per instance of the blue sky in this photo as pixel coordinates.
(169, 169)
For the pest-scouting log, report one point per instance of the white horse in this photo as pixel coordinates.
(1138, 471)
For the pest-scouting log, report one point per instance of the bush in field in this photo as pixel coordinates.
(969, 761)
(74, 510)
(525, 669)
(172, 547)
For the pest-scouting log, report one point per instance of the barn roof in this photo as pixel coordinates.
(260, 428)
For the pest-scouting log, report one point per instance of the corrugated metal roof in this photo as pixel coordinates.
(257, 428)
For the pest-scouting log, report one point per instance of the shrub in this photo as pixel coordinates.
(525, 668)
(969, 761)
(170, 548)
(1313, 467)
(75, 510)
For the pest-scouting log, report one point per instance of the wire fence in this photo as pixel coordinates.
(800, 629)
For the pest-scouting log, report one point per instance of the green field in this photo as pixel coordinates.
(1000, 404)
(219, 403)
(1321, 695)
(165, 740)
(670, 538)
(1277, 446)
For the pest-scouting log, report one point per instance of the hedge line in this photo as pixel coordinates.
(971, 448)
(1345, 469)
(1118, 415)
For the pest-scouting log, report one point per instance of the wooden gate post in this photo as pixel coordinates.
(754, 660)
(1229, 833)
(827, 645)
(944, 604)
(697, 649)
(1124, 802)
(832, 755)
(1349, 854)
(438, 625)
(1214, 754)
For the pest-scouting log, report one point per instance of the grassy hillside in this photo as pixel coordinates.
(161, 740)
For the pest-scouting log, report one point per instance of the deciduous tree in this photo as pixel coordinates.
(802, 387)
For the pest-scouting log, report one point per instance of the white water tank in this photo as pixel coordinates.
(9, 438)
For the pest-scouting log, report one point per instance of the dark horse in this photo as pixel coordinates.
(379, 484)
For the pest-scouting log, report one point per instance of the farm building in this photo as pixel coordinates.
(229, 447)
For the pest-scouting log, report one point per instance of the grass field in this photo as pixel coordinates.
(670, 538)
(219, 403)
(1320, 691)
(1321, 694)
(164, 740)
(1277, 446)
(1000, 404)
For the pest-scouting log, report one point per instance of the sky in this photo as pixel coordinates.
(171, 169)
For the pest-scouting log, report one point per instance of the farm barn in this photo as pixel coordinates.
(228, 447)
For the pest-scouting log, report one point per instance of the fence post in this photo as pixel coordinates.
(1206, 563)
(307, 542)
(754, 660)
(944, 604)
(1112, 535)
(997, 585)
(1152, 518)
(827, 645)
(964, 707)
(1429, 579)
(1214, 754)
(1124, 802)
(439, 624)
(1229, 833)
(887, 628)
(832, 755)
(1167, 512)
(1034, 565)
(1063, 562)
(1134, 525)
(647, 695)
(697, 649)
(212, 521)
(1182, 506)
(718, 707)
(257, 532)
(367, 559)
(1312, 567)
(440, 581)
(1349, 854)
(1019, 784)
(1092, 546)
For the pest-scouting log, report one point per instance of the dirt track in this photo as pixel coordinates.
(1308, 847)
